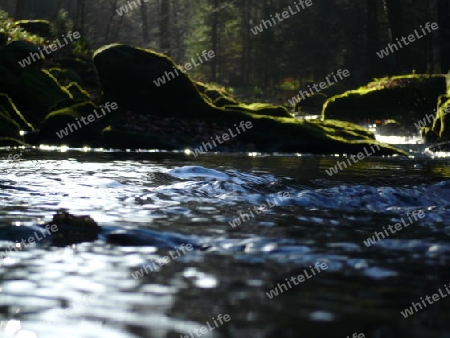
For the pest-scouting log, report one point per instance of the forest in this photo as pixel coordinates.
(301, 49)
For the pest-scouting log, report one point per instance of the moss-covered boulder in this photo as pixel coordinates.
(37, 27)
(9, 130)
(65, 76)
(160, 107)
(403, 98)
(33, 91)
(312, 104)
(12, 58)
(10, 110)
(218, 96)
(261, 109)
(73, 126)
(77, 92)
(79, 70)
(268, 134)
(437, 127)
(146, 82)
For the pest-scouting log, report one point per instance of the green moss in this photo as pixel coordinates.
(223, 101)
(11, 111)
(59, 120)
(128, 77)
(143, 66)
(65, 76)
(216, 94)
(77, 92)
(38, 27)
(403, 98)
(9, 129)
(79, 70)
(261, 109)
(441, 123)
(34, 93)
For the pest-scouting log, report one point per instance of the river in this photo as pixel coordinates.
(299, 221)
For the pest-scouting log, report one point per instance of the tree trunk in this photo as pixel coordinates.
(80, 20)
(245, 56)
(20, 10)
(444, 34)
(164, 29)
(113, 4)
(395, 14)
(373, 39)
(214, 39)
(145, 36)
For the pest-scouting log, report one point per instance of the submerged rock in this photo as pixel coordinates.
(73, 229)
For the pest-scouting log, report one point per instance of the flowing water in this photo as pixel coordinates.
(152, 204)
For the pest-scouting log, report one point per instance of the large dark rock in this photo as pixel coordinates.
(9, 130)
(10, 110)
(128, 75)
(55, 129)
(402, 98)
(41, 28)
(33, 91)
(437, 129)
(175, 115)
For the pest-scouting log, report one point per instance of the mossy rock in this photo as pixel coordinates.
(441, 123)
(34, 92)
(41, 28)
(87, 134)
(77, 92)
(121, 139)
(261, 109)
(9, 130)
(217, 95)
(286, 135)
(84, 69)
(8, 108)
(224, 101)
(12, 54)
(403, 98)
(129, 77)
(312, 102)
(73, 229)
(65, 76)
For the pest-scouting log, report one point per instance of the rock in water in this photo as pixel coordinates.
(74, 229)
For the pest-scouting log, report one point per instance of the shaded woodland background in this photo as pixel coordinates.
(302, 49)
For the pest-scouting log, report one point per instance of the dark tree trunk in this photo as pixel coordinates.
(396, 21)
(373, 39)
(144, 18)
(444, 34)
(113, 5)
(164, 29)
(20, 10)
(245, 56)
(81, 13)
(215, 39)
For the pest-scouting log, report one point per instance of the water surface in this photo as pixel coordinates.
(161, 200)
